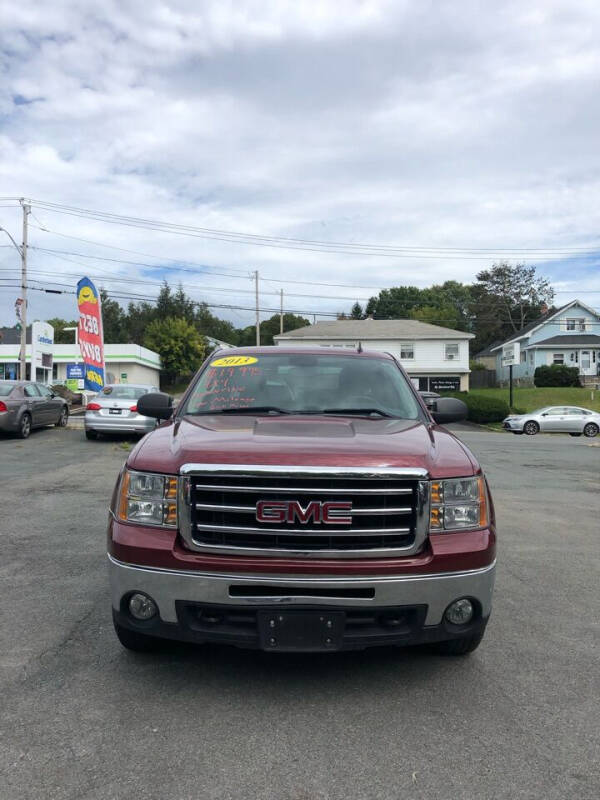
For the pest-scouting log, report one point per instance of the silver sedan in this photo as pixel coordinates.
(114, 410)
(555, 419)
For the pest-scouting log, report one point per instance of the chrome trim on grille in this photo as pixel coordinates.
(280, 473)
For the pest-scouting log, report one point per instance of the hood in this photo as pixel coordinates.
(303, 441)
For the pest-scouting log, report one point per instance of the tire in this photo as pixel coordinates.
(136, 641)
(574, 434)
(590, 430)
(91, 435)
(25, 426)
(459, 647)
(63, 419)
(531, 428)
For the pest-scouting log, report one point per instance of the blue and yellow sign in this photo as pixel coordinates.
(91, 339)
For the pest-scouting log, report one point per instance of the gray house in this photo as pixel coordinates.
(569, 335)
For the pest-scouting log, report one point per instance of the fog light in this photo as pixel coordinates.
(141, 606)
(460, 612)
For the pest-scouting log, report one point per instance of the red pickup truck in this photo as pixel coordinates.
(301, 500)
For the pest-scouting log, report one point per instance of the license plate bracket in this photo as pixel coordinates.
(297, 631)
(114, 410)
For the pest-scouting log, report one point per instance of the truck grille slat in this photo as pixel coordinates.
(219, 512)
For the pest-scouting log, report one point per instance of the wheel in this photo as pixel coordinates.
(136, 641)
(25, 426)
(591, 429)
(574, 434)
(63, 419)
(459, 647)
(91, 435)
(531, 427)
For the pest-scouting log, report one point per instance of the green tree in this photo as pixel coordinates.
(270, 328)
(180, 346)
(356, 311)
(61, 336)
(114, 321)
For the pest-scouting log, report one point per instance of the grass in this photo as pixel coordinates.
(528, 399)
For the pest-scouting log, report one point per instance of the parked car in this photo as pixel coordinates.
(114, 410)
(302, 500)
(429, 398)
(25, 405)
(555, 419)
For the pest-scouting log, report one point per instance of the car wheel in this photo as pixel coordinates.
(25, 426)
(63, 419)
(459, 647)
(591, 429)
(574, 434)
(91, 435)
(531, 427)
(136, 641)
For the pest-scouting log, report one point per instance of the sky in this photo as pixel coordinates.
(466, 125)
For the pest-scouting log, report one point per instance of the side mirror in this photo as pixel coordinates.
(448, 409)
(155, 404)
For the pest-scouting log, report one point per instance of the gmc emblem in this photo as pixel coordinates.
(290, 511)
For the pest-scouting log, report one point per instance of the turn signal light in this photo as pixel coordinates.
(93, 406)
(133, 408)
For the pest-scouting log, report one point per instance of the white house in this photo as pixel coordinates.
(569, 335)
(436, 358)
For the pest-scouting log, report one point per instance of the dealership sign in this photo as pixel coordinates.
(75, 371)
(42, 343)
(91, 339)
(511, 354)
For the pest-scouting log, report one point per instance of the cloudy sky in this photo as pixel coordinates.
(467, 125)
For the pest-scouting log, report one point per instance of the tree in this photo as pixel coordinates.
(270, 328)
(447, 304)
(180, 346)
(61, 336)
(356, 311)
(114, 320)
(506, 298)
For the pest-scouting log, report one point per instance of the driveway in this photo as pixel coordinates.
(83, 718)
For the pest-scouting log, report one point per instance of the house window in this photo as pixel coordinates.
(451, 352)
(558, 358)
(531, 356)
(576, 324)
(407, 350)
(523, 357)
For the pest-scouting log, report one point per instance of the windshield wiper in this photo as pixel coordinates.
(244, 410)
(377, 411)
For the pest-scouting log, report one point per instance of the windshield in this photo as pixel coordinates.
(303, 383)
(123, 392)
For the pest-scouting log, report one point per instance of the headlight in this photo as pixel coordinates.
(457, 504)
(148, 499)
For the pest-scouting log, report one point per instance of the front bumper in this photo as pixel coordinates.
(183, 598)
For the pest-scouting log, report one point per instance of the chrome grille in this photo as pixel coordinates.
(218, 510)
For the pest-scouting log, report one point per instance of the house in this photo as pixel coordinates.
(569, 335)
(436, 359)
(486, 356)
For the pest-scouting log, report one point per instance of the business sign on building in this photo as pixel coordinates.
(511, 354)
(91, 339)
(42, 343)
(75, 371)
(445, 383)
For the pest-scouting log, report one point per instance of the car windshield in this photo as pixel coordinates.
(6, 389)
(303, 383)
(123, 392)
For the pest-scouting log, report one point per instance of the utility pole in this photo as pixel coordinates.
(26, 212)
(281, 312)
(257, 312)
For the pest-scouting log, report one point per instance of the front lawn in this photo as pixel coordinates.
(528, 399)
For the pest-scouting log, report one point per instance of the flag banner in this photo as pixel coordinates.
(91, 339)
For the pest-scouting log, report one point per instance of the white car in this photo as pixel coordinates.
(114, 410)
(555, 419)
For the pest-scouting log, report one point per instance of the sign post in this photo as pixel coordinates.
(511, 355)
(91, 338)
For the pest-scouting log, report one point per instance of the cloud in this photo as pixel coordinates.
(436, 124)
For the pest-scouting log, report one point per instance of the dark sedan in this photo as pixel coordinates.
(25, 405)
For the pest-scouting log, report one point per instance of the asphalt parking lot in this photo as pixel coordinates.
(83, 718)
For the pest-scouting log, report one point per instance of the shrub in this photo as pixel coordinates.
(483, 409)
(556, 375)
(476, 366)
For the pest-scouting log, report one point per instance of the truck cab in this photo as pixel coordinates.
(302, 500)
